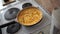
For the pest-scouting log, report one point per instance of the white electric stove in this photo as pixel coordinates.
(23, 30)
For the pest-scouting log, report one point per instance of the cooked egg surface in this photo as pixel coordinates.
(29, 16)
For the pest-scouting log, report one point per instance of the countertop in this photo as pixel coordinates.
(49, 5)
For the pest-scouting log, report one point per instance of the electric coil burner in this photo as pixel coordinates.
(13, 28)
(26, 5)
(11, 13)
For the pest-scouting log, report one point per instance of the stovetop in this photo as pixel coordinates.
(18, 5)
(26, 30)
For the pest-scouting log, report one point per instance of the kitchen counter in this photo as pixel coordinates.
(46, 4)
(49, 5)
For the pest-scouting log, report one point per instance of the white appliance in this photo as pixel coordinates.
(24, 30)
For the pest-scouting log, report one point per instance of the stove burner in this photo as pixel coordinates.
(11, 13)
(26, 5)
(13, 28)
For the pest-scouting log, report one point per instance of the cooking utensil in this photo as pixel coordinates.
(22, 12)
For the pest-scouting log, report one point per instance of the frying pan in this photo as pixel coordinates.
(31, 7)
